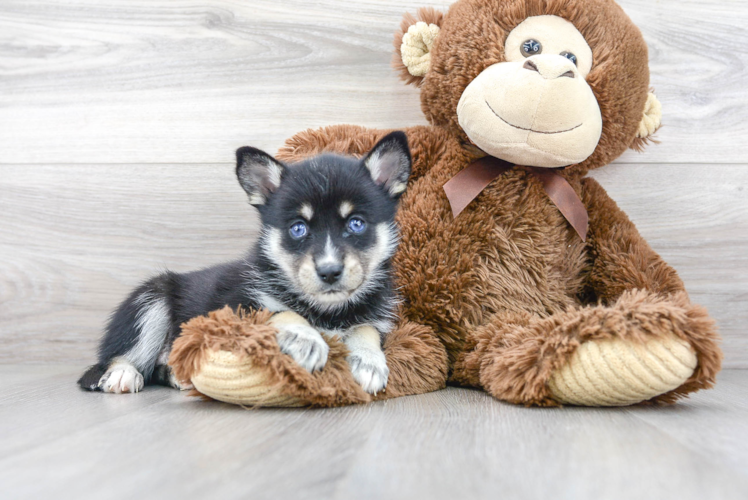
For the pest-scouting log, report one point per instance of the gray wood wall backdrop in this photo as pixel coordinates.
(119, 119)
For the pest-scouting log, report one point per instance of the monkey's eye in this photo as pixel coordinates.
(356, 225)
(571, 57)
(531, 48)
(298, 230)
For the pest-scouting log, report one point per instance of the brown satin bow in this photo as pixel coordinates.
(471, 180)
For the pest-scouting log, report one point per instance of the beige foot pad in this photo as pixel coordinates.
(227, 377)
(617, 372)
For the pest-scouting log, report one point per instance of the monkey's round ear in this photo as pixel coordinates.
(259, 173)
(650, 122)
(413, 44)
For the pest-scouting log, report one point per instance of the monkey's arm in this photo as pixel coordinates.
(643, 341)
(631, 280)
(621, 259)
(425, 143)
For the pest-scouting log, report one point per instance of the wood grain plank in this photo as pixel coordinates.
(162, 444)
(488, 449)
(22, 375)
(49, 406)
(714, 423)
(700, 84)
(114, 81)
(455, 443)
(75, 239)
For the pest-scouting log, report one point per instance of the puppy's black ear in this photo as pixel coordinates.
(389, 163)
(259, 173)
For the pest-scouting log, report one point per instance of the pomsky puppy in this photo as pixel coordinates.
(322, 263)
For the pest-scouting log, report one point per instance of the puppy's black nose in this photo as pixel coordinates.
(330, 273)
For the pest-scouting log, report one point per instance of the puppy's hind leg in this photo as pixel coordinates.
(121, 377)
(136, 334)
(90, 380)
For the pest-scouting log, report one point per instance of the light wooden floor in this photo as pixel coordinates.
(59, 442)
(118, 124)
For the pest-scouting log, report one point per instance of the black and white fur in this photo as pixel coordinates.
(333, 279)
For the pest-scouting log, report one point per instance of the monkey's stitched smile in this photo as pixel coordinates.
(529, 129)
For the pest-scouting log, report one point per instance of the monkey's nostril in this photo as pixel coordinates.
(531, 66)
(570, 74)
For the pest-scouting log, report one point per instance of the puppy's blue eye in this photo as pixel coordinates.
(298, 230)
(571, 57)
(356, 225)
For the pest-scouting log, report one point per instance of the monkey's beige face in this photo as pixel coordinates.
(536, 108)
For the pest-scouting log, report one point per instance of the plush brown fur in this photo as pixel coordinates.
(503, 295)
(515, 355)
(416, 359)
(507, 287)
(249, 335)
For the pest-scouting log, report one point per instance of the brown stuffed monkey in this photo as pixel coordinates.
(519, 274)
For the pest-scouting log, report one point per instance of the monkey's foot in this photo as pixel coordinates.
(236, 358)
(619, 372)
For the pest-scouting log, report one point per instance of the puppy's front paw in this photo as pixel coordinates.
(304, 344)
(121, 378)
(369, 368)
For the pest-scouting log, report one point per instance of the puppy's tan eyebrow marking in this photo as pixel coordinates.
(345, 209)
(306, 211)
